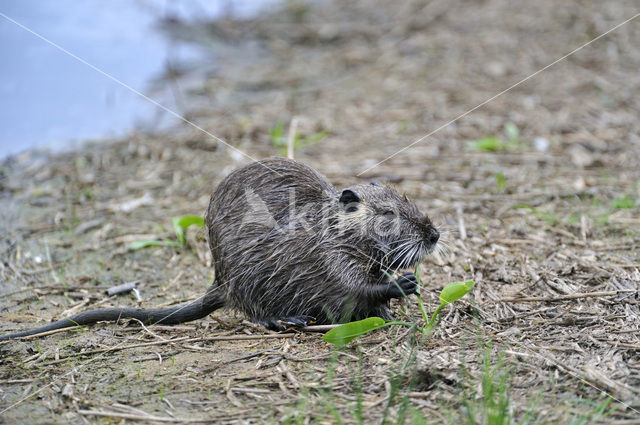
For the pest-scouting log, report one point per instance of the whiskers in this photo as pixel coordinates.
(443, 247)
(398, 256)
(402, 254)
(408, 253)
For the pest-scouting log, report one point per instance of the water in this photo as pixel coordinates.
(51, 100)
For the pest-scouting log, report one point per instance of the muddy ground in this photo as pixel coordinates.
(545, 221)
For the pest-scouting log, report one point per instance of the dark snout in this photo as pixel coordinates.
(431, 234)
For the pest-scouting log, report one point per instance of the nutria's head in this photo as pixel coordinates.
(395, 232)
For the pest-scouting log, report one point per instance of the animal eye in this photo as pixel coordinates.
(352, 209)
(389, 213)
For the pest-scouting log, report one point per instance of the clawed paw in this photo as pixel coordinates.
(297, 321)
(404, 285)
(285, 323)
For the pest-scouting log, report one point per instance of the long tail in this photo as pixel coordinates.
(173, 315)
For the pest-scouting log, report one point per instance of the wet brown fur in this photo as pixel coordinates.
(290, 249)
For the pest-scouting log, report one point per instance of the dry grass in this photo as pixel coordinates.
(552, 243)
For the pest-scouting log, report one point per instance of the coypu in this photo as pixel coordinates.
(290, 249)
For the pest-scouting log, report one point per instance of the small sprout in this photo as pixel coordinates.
(501, 182)
(624, 203)
(180, 225)
(455, 290)
(512, 132)
(277, 135)
(402, 126)
(279, 139)
(549, 217)
(450, 293)
(488, 144)
(134, 246)
(573, 219)
(495, 144)
(80, 162)
(603, 220)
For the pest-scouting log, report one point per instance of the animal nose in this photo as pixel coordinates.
(433, 236)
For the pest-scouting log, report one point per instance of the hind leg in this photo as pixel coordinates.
(382, 312)
(283, 323)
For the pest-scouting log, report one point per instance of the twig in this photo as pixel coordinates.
(134, 417)
(70, 311)
(461, 227)
(148, 331)
(169, 341)
(125, 287)
(54, 275)
(568, 297)
(562, 232)
(318, 328)
(154, 356)
(584, 227)
(136, 293)
(16, 381)
(291, 139)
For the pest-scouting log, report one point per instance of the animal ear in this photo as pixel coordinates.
(348, 197)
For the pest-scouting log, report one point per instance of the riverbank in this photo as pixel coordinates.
(537, 191)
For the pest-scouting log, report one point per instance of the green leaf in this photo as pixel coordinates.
(455, 290)
(190, 220)
(344, 334)
(133, 246)
(493, 144)
(490, 144)
(180, 225)
(316, 137)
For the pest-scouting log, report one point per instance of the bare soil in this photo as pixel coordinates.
(547, 225)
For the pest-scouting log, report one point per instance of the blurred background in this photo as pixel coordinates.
(362, 72)
(50, 99)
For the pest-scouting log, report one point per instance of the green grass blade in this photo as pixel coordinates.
(133, 246)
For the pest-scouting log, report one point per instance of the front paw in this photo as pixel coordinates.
(404, 285)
